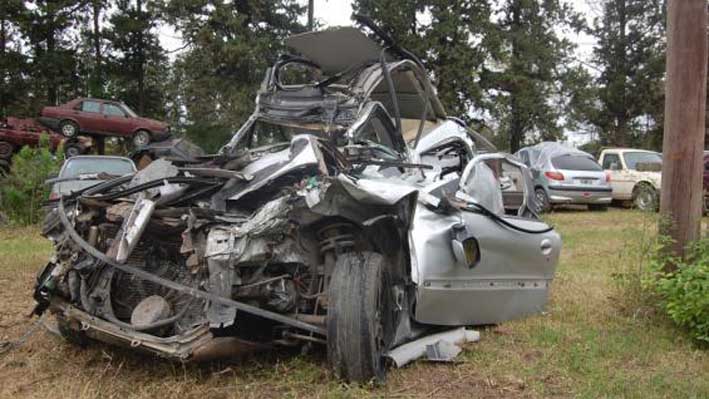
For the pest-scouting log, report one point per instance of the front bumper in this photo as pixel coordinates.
(197, 345)
(580, 195)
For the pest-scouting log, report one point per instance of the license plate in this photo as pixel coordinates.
(586, 181)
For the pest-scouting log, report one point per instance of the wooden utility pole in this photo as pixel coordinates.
(683, 142)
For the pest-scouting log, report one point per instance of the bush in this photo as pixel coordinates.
(23, 190)
(684, 292)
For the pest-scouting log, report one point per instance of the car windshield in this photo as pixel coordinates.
(81, 166)
(575, 162)
(633, 158)
(129, 111)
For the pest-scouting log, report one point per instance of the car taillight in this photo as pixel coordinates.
(554, 175)
(608, 177)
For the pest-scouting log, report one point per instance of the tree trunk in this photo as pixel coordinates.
(141, 62)
(51, 46)
(683, 143)
(97, 87)
(622, 128)
(516, 128)
(3, 46)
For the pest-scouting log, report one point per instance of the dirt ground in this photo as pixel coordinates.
(592, 341)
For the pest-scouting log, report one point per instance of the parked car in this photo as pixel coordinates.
(636, 175)
(104, 118)
(179, 150)
(564, 175)
(16, 133)
(317, 224)
(83, 171)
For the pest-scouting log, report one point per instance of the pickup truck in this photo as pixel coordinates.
(635, 175)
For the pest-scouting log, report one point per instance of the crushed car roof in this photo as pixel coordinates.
(336, 49)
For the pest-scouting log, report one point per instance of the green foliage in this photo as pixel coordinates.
(23, 190)
(229, 47)
(138, 66)
(453, 44)
(629, 91)
(684, 292)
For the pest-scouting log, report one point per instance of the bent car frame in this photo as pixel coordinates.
(347, 211)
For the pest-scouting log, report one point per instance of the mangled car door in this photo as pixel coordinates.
(477, 265)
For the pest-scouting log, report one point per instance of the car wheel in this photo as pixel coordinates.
(542, 200)
(72, 151)
(645, 197)
(360, 317)
(6, 150)
(597, 207)
(141, 138)
(69, 129)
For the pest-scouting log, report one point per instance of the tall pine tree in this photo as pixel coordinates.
(631, 57)
(532, 77)
(13, 63)
(229, 45)
(451, 38)
(53, 67)
(139, 66)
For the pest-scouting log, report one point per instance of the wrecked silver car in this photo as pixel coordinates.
(348, 211)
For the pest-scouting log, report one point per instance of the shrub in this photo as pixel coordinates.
(684, 292)
(23, 190)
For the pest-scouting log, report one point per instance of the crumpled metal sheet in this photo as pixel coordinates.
(158, 169)
(405, 354)
(376, 192)
(484, 188)
(442, 351)
(233, 241)
(133, 227)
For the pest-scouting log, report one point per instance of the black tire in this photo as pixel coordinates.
(6, 150)
(141, 138)
(540, 195)
(597, 207)
(360, 317)
(645, 197)
(68, 129)
(72, 151)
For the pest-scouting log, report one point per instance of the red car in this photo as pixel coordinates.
(102, 117)
(16, 133)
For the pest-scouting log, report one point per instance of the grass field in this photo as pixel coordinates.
(593, 341)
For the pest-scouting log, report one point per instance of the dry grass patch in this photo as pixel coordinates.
(589, 343)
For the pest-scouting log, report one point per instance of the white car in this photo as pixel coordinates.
(635, 175)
